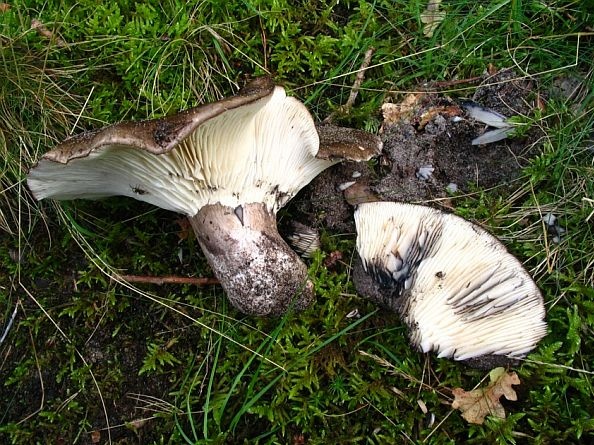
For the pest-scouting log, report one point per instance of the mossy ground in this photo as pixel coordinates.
(92, 360)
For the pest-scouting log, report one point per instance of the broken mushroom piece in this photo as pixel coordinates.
(303, 239)
(454, 285)
(491, 118)
(229, 166)
(340, 143)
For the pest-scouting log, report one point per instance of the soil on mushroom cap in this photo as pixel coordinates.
(442, 143)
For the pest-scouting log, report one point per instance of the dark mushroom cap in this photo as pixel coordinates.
(347, 143)
(258, 146)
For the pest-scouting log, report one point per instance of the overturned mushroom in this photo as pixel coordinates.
(455, 286)
(229, 166)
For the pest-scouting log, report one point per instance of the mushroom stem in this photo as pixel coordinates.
(257, 269)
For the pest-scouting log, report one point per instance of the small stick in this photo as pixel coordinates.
(169, 279)
(450, 83)
(359, 78)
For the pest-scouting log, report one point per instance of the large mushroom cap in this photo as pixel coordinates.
(259, 146)
(456, 287)
(229, 166)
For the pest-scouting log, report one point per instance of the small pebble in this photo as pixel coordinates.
(425, 172)
(549, 219)
(452, 188)
(345, 185)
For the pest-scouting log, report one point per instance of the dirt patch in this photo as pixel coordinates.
(428, 153)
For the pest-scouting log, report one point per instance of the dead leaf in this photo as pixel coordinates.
(409, 111)
(359, 193)
(432, 17)
(95, 436)
(331, 260)
(394, 113)
(540, 104)
(4, 7)
(45, 32)
(478, 403)
(135, 425)
(492, 69)
(430, 114)
(185, 228)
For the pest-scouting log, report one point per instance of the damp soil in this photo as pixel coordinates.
(428, 154)
(54, 397)
(46, 386)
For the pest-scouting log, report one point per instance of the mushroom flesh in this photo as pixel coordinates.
(454, 285)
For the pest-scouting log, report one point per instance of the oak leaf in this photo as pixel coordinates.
(478, 403)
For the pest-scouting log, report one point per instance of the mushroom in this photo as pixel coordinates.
(229, 166)
(454, 285)
(303, 239)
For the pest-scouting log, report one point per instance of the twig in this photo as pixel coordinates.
(169, 279)
(449, 83)
(359, 78)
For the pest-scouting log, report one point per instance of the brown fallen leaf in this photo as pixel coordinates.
(185, 229)
(478, 403)
(359, 193)
(95, 436)
(45, 32)
(136, 424)
(403, 111)
(431, 113)
(333, 258)
(418, 109)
